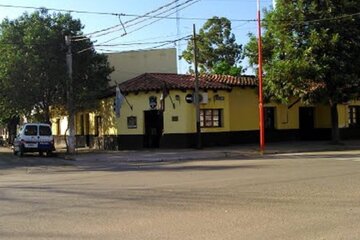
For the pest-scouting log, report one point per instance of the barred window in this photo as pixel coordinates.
(210, 118)
(269, 117)
(354, 116)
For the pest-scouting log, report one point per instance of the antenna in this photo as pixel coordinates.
(178, 33)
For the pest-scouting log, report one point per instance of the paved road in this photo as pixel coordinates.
(284, 196)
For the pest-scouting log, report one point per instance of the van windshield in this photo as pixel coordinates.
(30, 130)
(44, 131)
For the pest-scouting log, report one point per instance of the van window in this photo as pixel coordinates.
(44, 131)
(30, 130)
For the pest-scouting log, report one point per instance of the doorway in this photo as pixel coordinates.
(154, 125)
(87, 130)
(306, 122)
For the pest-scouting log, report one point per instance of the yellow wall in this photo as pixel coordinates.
(108, 117)
(131, 64)
(63, 125)
(240, 113)
(184, 111)
(286, 118)
(139, 103)
(323, 116)
(245, 116)
(244, 111)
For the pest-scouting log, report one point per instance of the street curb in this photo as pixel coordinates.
(178, 155)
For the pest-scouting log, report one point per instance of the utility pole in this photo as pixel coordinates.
(196, 95)
(261, 104)
(70, 100)
(178, 48)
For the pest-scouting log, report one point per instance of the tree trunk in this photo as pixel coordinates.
(71, 137)
(11, 127)
(47, 114)
(335, 136)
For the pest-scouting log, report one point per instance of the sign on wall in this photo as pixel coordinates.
(131, 122)
(152, 102)
(189, 98)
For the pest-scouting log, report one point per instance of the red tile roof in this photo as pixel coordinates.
(157, 81)
(245, 80)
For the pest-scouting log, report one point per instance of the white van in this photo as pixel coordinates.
(34, 137)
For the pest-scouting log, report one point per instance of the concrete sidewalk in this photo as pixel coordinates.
(235, 152)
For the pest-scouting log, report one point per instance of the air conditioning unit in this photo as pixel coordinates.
(203, 97)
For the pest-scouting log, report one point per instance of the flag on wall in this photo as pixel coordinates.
(164, 94)
(119, 99)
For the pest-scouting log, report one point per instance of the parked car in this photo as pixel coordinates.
(34, 137)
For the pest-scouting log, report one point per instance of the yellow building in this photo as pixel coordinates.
(229, 110)
(158, 111)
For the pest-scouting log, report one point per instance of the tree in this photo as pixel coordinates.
(33, 71)
(311, 50)
(218, 51)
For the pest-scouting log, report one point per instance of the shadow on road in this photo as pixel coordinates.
(338, 155)
(9, 161)
(142, 162)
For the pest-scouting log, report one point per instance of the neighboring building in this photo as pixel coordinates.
(157, 112)
(130, 64)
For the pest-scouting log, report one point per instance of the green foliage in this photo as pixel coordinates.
(33, 71)
(218, 51)
(224, 68)
(311, 50)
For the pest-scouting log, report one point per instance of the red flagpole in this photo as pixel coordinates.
(260, 62)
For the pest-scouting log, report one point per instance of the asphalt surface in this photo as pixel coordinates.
(289, 195)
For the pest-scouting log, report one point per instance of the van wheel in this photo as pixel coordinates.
(21, 151)
(49, 153)
(41, 153)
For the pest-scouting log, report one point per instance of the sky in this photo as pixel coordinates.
(139, 36)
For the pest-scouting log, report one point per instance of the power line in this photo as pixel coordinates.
(140, 49)
(132, 20)
(164, 17)
(158, 17)
(172, 41)
(152, 38)
(28, 44)
(143, 43)
(118, 51)
(114, 14)
(333, 18)
(176, 9)
(60, 10)
(243, 20)
(137, 29)
(194, 18)
(161, 43)
(189, 2)
(147, 16)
